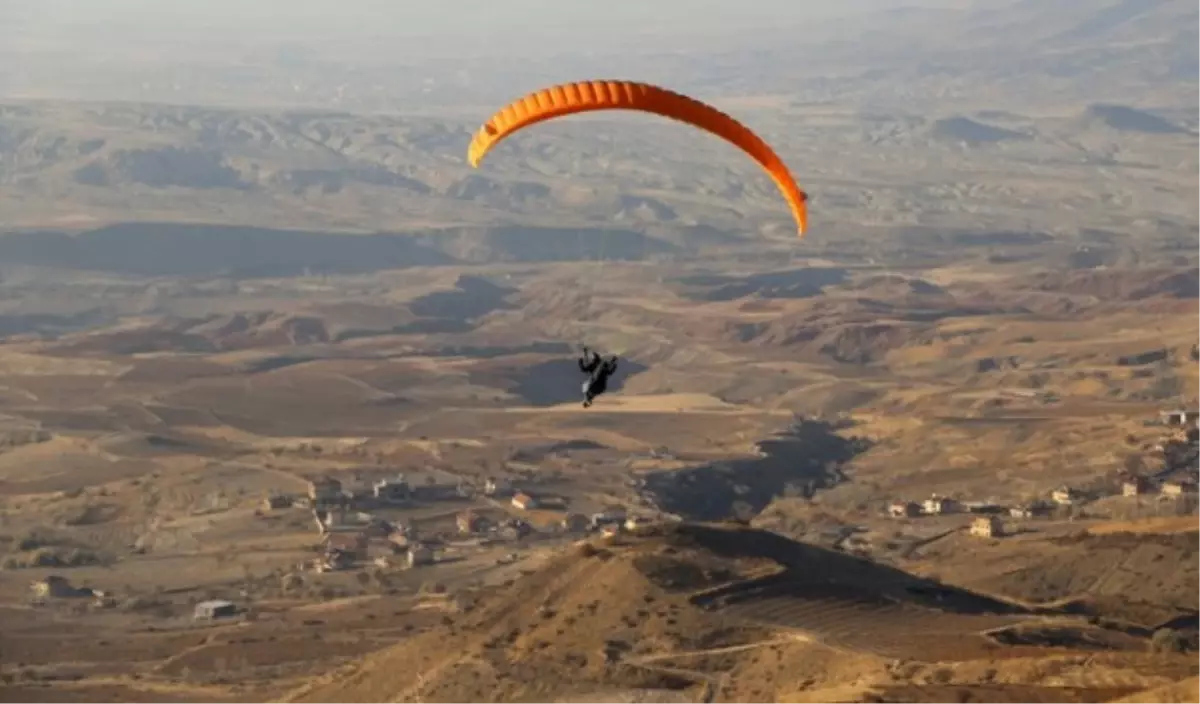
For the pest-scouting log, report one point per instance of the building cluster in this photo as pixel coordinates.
(58, 587)
(390, 492)
(1177, 478)
(1180, 418)
(987, 523)
(351, 538)
(942, 505)
(352, 532)
(1172, 488)
(1178, 460)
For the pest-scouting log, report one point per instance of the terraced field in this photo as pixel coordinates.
(852, 619)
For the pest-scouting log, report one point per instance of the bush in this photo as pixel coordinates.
(1168, 640)
(34, 539)
(52, 557)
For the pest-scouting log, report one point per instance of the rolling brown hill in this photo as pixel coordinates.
(229, 268)
(685, 609)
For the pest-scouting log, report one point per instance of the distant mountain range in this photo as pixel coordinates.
(371, 57)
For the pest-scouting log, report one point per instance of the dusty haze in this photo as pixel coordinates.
(370, 54)
(241, 251)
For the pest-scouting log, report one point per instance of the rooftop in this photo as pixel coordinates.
(214, 604)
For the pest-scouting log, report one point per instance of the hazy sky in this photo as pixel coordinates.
(438, 16)
(237, 49)
(584, 25)
(242, 49)
(144, 41)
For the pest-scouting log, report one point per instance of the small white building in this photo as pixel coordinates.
(274, 502)
(986, 527)
(497, 486)
(1177, 488)
(1063, 496)
(1180, 417)
(325, 490)
(56, 587)
(937, 505)
(214, 609)
(636, 523)
(419, 555)
(1134, 486)
(469, 522)
(394, 490)
(612, 514)
(524, 502)
(575, 523)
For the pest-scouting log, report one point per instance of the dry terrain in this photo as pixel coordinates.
(145, 420)
(210, 306)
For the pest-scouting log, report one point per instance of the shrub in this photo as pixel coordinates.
(1168, 640)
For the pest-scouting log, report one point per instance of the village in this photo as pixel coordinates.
(396, 524)
(407, 523)
(1172, 488)
(395, 521)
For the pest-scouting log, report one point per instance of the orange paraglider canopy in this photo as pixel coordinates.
(588, 96)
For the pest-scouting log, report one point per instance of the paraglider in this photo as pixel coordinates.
(589, 364)
(589, 96)
(598, 371)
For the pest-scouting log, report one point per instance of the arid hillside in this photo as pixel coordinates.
(701, 612)
(396, 174)
(162, 437)
(290, 405)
